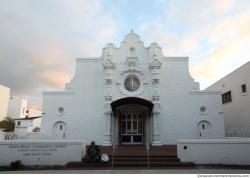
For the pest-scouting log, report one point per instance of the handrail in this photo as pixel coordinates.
(147, 146)
(113, 155)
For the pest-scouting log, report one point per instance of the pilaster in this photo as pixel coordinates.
(155, 66)
(109, 67)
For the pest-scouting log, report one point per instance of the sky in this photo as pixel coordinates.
(40, 39)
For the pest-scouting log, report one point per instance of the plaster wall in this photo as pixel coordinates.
(236, 113)
(92, 89)
(220, 151)
(4, 101)
(17, 108)
(41, 152)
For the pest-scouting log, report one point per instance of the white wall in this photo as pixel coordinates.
(4, 101)
(180, 102)
(17, 108)
(41, 152)
(36, 123)
(221, 151)
(84, 98)
(83, 108)
(1, 135)
(237, 112)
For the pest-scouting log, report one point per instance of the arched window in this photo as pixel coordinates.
(132, 51)
(204, 129)
(59, 130)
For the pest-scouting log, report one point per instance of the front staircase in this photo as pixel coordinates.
(137, 156)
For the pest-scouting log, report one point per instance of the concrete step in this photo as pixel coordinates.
(145, 159)
(81, 164)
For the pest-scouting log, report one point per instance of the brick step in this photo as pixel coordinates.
(171, 164)
(98, 165)
(80, 164)
(140, 159)
(154, 164)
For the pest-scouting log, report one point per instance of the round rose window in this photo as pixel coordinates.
(132, 83)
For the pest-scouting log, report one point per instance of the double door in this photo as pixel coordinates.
(132, 128)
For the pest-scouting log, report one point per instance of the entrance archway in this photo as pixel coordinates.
(132, 124)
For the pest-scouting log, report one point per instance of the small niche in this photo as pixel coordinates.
(132, 52)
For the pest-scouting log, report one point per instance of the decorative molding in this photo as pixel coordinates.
(175, 58)
(154, 67)
(59, 92)
(108, 64)
(132, 62)
(60, 111)
(155, 63)
(97, 59)
(109, 68)
(131, 68)
(135, 71)
(204, 93)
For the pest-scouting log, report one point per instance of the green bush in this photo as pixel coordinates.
(16, 164)
(8, 124)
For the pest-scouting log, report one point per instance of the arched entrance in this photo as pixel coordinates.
(131, 121)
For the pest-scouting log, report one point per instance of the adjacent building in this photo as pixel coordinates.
(4, 101)
(17, 108)
(235, 100)
(132, 95)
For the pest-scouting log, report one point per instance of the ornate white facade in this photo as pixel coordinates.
(132, 95)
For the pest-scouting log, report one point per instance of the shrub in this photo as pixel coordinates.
(16, 164)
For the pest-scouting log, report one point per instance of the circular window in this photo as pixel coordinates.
(60, 110)
(132, 83)
(203, 110)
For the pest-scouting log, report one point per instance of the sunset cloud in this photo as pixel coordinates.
(189, 44)
(56, 79)
(233, 39)
(39, 40)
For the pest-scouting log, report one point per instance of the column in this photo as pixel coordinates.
(109, 67)
(107, 134)
(155, 66)
(156, 136)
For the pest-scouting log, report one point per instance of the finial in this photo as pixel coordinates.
(131, 31)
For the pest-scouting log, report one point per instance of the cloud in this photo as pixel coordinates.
(230, 27)
(214, 34)
(232, 49)
(55, 79)
(39, 41)
(223, 6)
(189, 44)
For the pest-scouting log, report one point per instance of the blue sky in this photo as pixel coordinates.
(39, 40)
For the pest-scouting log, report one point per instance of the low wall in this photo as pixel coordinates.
(42, 152)
(222, 151)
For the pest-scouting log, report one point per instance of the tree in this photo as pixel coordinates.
(36, 129)
(8, 124)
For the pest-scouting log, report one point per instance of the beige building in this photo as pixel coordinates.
(235, 99)
(17, 108)
(4, 101)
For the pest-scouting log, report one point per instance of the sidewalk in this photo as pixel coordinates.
(199, 170)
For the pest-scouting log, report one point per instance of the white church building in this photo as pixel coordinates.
(132, 95)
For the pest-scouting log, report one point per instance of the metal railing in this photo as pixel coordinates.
(147, 146)
(9, 136)
(113, 154)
